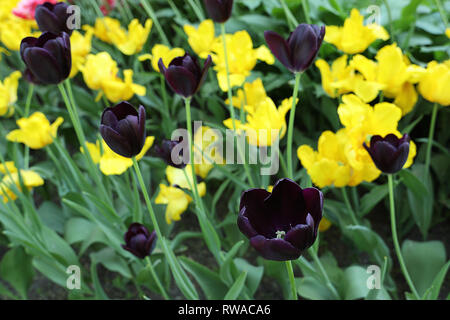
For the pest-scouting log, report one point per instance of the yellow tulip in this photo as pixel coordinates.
(251, 95)
(105, 27)
(435, 83)
(30, 179)
(183, 179)
(176, 199)
(201, 39)
(117, 89)
(354, 36)
(339, 78)
(80, 47)
(14, 29)
(206, 150)
(8, 93)
(35, 131)
(110, 162)
(242, 58)
(132, 42)
(160, 51)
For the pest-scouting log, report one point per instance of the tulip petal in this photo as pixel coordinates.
(301, 236)
(279, 47)
(245, 225)
(182, 81)
(116, 142)
(46, 20)
(275, 249)
(204, 72)
(303, 46)
(42, 65)
(259, 217)
(109, 119)
(314, 205)
(142, 117)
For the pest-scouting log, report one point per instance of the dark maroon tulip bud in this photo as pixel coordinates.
(139, 241)
(300, 49)
(184, 75)
(281, 224)
(389, 153)
(123, 129)
(48, 58)
(219, 10)
(168, 151)
(53, 17)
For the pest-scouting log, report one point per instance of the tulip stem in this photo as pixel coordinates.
(291, 126)
(197, 11)
(155, 277)
(292, 22)
(322, 270)
(395, 238)
(231, 107)
(349, 206)
(442, 13)
(25, 115)
(148, 8)
(305, 7)
(290, 272)
(430, 137)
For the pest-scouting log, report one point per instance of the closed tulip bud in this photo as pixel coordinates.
(219, 10)
(281, 224)
(139, 241)
(48, 58)
(123, 129)
(389, 153)
(53, 17)
(168, 151)
(298, 52)
(184, 75)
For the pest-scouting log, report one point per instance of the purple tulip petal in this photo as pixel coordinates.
(279, 47)
(275, 249)
(116, 142)
(204, 73)
(182, 81)
(245, 225)
(142, 118)
(43, 65)
(303, 46)
(301, 236)
(314, 204)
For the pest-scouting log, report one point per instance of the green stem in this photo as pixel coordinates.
(197, 11)
(292, 22)
(349, 206)
(430, 137)
(147, 198)
(391, 27)
(442, 13)
(395, 238)
(291, 126)
(290, 272)
(155, 277)
(231, 107)
(322, 270)
(148, 8)
(305, 7)
(25, 115)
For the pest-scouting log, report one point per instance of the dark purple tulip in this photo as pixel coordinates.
(301, 47)
(139, 241)
(123, 129)
(165, 150)
(53, 17)
(184, 75)
(219, 10)
(281, 224)
(389, 153)
(48, 58)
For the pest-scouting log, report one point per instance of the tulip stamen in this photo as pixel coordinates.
(280, 234)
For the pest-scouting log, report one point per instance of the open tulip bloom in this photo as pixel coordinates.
(300, 49)
(139, 241)
(281, 224)
(184, 74)
(123, 129)
(389, 153)
(48, 58)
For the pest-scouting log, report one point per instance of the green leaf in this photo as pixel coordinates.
(423, 260)
(421, 207)
(208, 280)
(52, 216)
(99, 292)
(372, 198)
(413, 183)
(237, 287)
(368, 241)
(311, 288)
(354, 283)
(16, 268)
(254, 277)
(437, 282)
(111, 261)
(225, 271)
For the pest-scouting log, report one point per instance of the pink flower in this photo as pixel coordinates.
(107, 6)
(25, 8)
